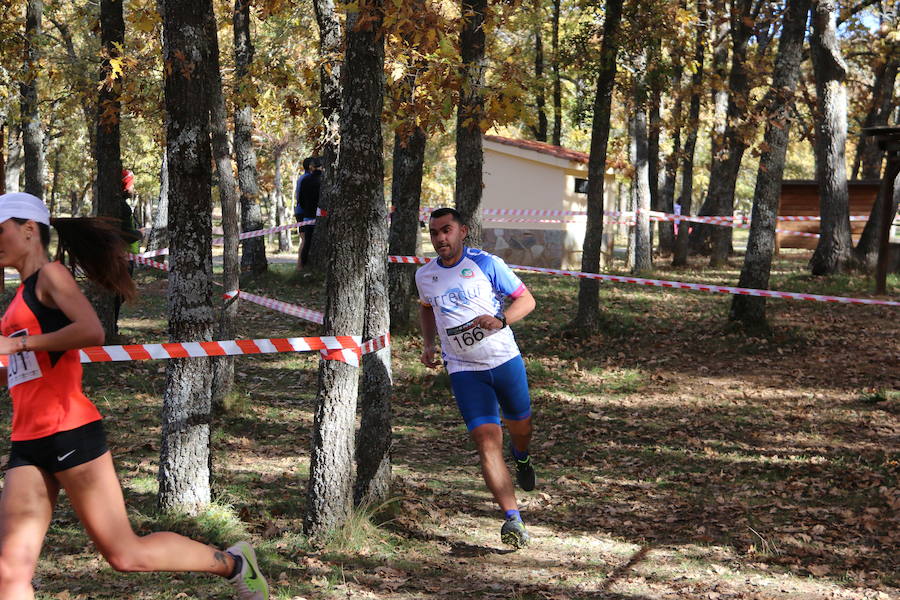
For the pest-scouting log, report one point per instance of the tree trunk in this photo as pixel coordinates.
(330, 492)
(685, 200)
(869, 157)
(587, 319)
(15, 162)
(223, 366)
(557, 83)
(653, 133)
(32, 132)
(866, 251)
(184, 471)
(253, 258)
(834, 252)
(730, 144)
(639, 153)
(777, 108)
(284, 237)
(540, 132)
(723, 183)
(107, 149)
(159, 232)
(54, 181)
(469, 116)
(406, 192)
(667, 195)
(373, 444)
(330, 92)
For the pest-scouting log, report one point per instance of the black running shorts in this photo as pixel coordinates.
(62, 450)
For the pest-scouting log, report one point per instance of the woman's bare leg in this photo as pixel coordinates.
(26, 506)
(95, 493)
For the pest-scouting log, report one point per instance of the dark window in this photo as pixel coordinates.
(581, 185)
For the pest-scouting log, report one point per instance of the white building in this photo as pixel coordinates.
(523, 174)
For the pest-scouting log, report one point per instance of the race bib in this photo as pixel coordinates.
(23, 366)
(466, 337)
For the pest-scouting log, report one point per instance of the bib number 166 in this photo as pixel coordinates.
(465, 337)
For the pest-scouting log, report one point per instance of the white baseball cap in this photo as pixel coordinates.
(20, 205)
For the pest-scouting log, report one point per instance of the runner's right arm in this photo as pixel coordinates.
(429, 330)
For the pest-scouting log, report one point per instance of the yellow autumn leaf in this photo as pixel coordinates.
(115, 67)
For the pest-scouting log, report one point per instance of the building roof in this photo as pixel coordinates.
(557, 151)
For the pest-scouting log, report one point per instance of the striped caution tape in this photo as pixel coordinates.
(147, 262)
(723, 221)
(702, 287)
(533, 212)
(372, 345)
(284, 307)
(243, 236)
(345, 348)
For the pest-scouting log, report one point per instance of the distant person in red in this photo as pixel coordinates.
(58, 441)
(126, 219)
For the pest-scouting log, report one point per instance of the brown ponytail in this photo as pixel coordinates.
(99, 247)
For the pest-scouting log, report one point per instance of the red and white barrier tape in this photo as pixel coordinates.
(261, 232)
(284, 307)
(146, 261)
(310, 315)
(534, 212)
(243, 236)
(723, 221)
(345, 348)
(703, 287)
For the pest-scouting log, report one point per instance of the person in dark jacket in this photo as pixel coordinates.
(308, 200)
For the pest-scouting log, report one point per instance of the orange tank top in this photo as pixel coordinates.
(45, 386)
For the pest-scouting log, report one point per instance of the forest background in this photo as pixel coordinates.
(119, 86)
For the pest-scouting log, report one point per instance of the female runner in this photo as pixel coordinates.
(57, 433)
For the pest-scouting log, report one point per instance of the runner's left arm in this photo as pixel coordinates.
(517, 310)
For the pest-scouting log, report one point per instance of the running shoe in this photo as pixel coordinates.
(249, 583)
(513, 533)
(524, 472)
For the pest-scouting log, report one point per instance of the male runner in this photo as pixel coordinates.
(462, 295)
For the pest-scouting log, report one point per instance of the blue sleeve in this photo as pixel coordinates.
(499, 274)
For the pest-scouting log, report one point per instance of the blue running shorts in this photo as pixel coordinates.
(480, 394)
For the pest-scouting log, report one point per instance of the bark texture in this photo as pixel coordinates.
(469, 117)
(184, 471)
(685, 199)
(869, 157)
(557, 82)
(540, 131)
(159, 232)
(108, 151)
(639, 153)
(330, 91)
(732, 143)
(32, 132)
(223, 366)
(670, 167)
(777, 108)
(330, 491)
(587, 319)
(406, 193)
(834, 252)
(253, 257)
(373, 443)
(281, 210)
(14, 159)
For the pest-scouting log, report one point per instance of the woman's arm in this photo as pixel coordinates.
(57, 288)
